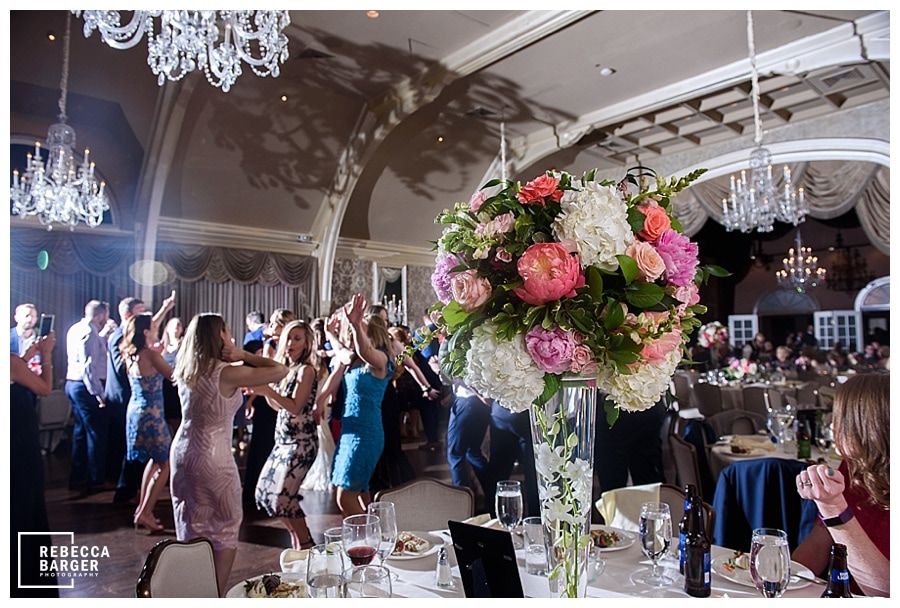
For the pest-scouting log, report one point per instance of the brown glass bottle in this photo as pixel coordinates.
(697, 577)
(804, 440)
(838, 575)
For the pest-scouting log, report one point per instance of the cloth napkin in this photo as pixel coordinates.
(621, 508)
(752, 442)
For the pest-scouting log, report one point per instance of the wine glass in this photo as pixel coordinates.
(361, 537)
(770, 561)
(508, 505)
(388, 533)
(367, 581)
(656, 536)
(324, 570)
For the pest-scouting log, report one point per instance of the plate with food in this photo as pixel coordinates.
(415, 545)
(611, 539)
(275, 584)
(735, 567)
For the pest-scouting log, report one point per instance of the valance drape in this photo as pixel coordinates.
(69, 252)
(217, 264)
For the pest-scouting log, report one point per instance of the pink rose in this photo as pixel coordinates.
(689, 294)
(549, 273)
(470, 290)
(502, 255)
(476, 201)
(551, 349)
(538, 189)
(656, 221)
(650, 264)
(583, 360)
(656, 351)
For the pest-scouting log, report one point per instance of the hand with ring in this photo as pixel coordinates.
(824, 485)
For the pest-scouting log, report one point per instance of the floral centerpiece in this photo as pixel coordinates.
(566, 276)
(742, 369)
(712, 334)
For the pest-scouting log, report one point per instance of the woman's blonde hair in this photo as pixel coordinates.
(309, 355)
(201, 348)
(862, 431)
(378, 334)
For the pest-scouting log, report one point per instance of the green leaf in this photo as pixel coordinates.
(644, 295)
(551, 386)
(629, 268)
(636, 219)
(595, 284)
(454, 315)
(612, 412)
(615, 315)
(717, 271)
(571, 440)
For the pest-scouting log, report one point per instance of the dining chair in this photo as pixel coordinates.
(808, 395)
(682, 390)
(760, 493)
(427, 504)
(54, 412)
(737, 422)
(756, 399)
(687, 466)
(674, 497)
(179, 569)
(708, 397)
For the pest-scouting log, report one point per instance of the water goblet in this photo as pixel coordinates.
(367, 581)
(388, 532)
(361, 537)
(508, 505)
(770, 561)
(656, 536)
(324, 570)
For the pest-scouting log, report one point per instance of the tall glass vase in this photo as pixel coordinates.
(563, 433)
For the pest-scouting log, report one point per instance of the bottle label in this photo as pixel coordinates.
(707, 568)
(840, 576)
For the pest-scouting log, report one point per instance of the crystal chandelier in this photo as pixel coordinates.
(849, 270)
(755, 202)
(60, 191)
(801, 269)
(190, 40)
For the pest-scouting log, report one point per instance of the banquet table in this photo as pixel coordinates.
(416, 577)
(720, 454)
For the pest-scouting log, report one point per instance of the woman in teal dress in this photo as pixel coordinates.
(147, 433)
(362, 434)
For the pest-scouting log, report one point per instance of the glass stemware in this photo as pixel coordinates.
(656, 536)
(361, 538)
(388, 532)
(770, 561)
(367, 581)
(508, 505)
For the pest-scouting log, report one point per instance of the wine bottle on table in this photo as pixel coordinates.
(804, 440)
(689, 491)
(697, 553)
(838, 575)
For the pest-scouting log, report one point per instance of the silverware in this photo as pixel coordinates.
(814, 579)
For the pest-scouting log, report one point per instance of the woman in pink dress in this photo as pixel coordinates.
(205, 484)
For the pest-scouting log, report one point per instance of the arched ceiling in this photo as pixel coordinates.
(389, 120)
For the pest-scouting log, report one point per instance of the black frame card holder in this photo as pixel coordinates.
(487, 561)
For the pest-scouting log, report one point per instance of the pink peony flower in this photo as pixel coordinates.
(549, 273)
(656, 222)
(656, 351)
(476, 201)
(650, 264)
(470, 290)
(688, 294)
(680, 256)
(440, 277)
(538, 189)
(552, 349)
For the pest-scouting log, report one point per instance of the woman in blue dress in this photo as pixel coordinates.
(147, 434)
(365, 379)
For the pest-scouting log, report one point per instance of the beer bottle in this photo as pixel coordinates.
(804, 440)
(689, 491)
(838, 575)
(697, 557)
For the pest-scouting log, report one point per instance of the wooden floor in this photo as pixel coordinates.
(95, 520)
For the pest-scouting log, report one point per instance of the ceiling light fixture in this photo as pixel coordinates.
(756, 203)
(372, 14)
(60, 191)
(801, 269)
(191, 40)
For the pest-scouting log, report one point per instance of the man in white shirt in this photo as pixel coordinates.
(23, 334)
(85, 386)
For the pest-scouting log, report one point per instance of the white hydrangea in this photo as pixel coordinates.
(596, 218)
(641, 389)
(503, 370)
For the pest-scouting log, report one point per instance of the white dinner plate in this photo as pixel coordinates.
(742, 577)
(240, 590)
(436, 542)
(753, 453)
(626, 539)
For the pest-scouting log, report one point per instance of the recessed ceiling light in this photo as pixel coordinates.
(607, 71)
(372, 14)
(51, 36)
(440, 139)
(284, 98)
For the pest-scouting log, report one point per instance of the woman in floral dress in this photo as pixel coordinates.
(147, 434)
(296, 437)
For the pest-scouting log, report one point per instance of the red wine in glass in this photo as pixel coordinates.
(361, 555)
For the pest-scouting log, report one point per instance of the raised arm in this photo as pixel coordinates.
(167, 305)
(376, 359)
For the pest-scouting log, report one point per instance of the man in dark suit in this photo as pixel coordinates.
(117, 395)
